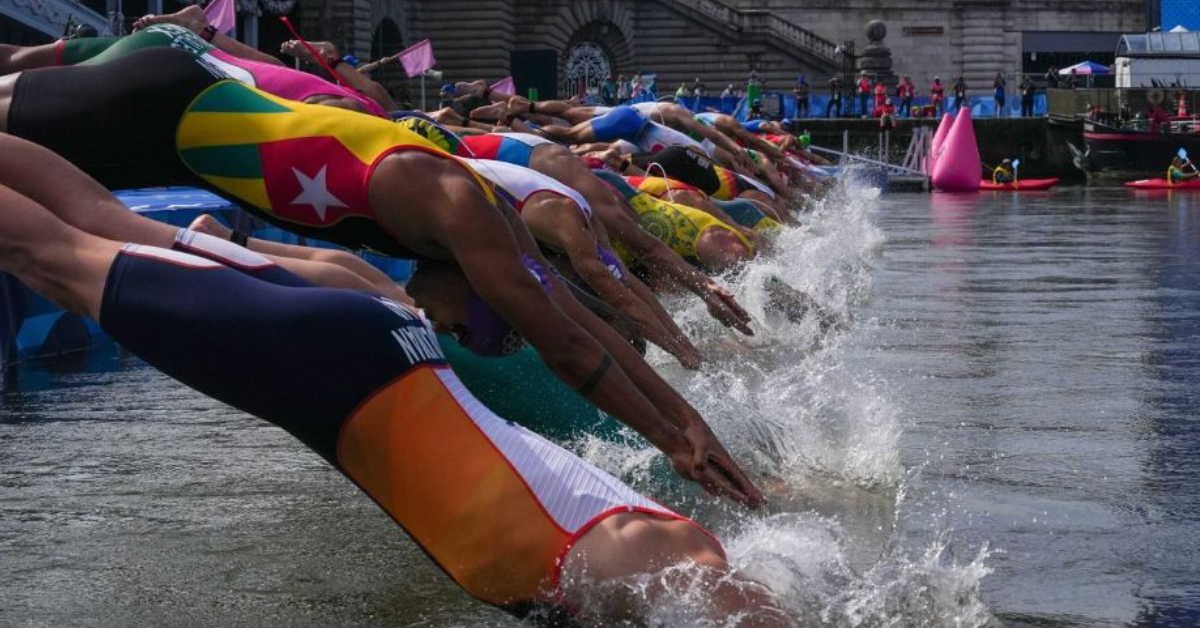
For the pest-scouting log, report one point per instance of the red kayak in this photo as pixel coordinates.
(1020, 184)
(1163, 184)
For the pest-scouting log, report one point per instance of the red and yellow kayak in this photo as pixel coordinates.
(1163, 184)
(1021, 184)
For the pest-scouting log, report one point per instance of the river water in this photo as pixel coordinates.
(1003, 432)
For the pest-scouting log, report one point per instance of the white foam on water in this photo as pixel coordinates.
(821, 437)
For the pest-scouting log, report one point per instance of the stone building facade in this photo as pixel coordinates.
(547, 43)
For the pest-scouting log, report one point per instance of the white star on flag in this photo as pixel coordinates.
(315, 192)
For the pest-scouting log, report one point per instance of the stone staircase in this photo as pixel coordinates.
(980, 25)
(765, 25)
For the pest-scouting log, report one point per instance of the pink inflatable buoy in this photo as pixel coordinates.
(939, 140)
(958, 166)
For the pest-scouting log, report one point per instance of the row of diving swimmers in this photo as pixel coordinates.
(352, 197)
(716, 243)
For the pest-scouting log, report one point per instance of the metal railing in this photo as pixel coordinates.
(763, 22)
(51, 16)
(1117, 104)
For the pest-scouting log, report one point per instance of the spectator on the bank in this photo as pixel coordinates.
(624, 91)
(998, 85)
(880, 93)
(1052, 78)
(886, 113)
(754, 77)
(1073, 79)
(638, 87)
(937, 97)
(801, 91)
(682, 92)
(864, 93)
(727, 92)
(960, 93)
(1028, 91)
(905, 91)
(756, 112)
(835, 98)
(697, 88)
(608, 92)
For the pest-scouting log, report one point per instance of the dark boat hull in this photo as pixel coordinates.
(1124, 152)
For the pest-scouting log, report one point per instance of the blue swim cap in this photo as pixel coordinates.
(786, 122)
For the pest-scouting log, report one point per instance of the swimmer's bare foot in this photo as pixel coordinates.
(518, 105)
(191, 18)
(446, 115)
(472, 88)
(494, 111)
(205, 223)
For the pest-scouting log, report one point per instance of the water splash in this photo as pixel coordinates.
(821, 436)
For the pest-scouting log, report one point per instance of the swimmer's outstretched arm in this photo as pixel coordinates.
(487, 244)
(556, 221)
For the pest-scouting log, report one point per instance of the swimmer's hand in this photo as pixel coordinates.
(710, 466)
(725, 308)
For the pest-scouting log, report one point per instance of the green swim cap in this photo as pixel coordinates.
(805, 140)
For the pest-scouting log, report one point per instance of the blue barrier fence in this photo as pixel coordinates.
(785, 104)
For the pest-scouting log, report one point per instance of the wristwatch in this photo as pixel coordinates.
(208, 32)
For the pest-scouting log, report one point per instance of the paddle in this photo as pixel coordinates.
(1016, 173)
(1183, 154)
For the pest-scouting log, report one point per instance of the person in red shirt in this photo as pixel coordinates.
(864, 93)
(937, 96)
(880, 93)
(886, 113)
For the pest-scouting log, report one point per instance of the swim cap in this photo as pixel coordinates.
(786, 122)
(420, 124)
(805, 140)
(1007, 161)
(488, 334)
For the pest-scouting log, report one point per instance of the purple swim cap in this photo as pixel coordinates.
(488, 334)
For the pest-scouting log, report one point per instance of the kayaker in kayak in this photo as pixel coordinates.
(1176, 173)
(1003, 173)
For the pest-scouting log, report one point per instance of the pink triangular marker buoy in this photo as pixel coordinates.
(939, 138)
(958, 167)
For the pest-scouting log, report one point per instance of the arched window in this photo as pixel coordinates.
(387, 40)
(586, 69)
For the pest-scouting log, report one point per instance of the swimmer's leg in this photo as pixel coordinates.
(379, 281)
(79, 201)
(61, 263)
(19, 58)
